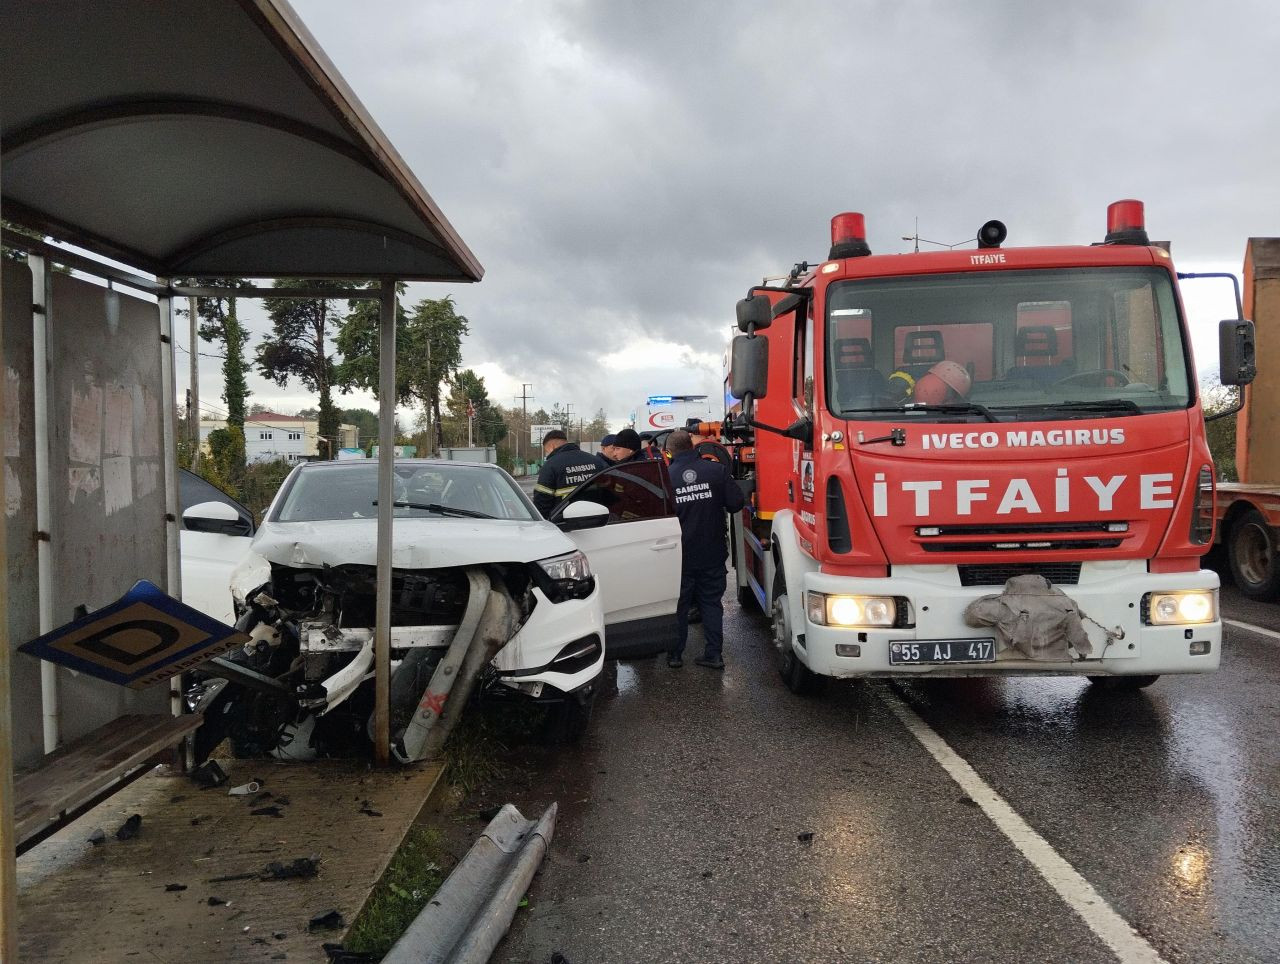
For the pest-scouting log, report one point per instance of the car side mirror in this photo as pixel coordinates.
(749, 367)
(216, 517)
(582, 515)
(1237, 364)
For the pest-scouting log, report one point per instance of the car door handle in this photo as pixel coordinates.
(664, 544)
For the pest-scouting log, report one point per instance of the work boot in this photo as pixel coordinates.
(675, 662)
(716, 663)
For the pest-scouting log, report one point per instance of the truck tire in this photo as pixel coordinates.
(1122, 684)
(1251, 553)
(798, 677)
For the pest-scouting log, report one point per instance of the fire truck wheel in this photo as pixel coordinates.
(799, 679)
(1122, 684)
(1251, 552)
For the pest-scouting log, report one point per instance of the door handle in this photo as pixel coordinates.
(664, 544)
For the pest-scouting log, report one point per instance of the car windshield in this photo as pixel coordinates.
(349, 490)
(1012, 345)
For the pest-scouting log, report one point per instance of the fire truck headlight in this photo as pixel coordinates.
(849, 611)
(1181, 608)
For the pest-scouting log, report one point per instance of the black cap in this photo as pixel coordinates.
(554, 434)
(628, 439)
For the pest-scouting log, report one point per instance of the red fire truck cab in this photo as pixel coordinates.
(916, 430)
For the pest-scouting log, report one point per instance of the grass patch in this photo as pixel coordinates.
(415, 873)
(482, 736)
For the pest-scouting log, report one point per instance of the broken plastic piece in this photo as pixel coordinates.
(172, 888)
(208, 775)
(97, 837)
(272, 811)
(299, 867)
(130, 828)
(327, 920)
(245, 789)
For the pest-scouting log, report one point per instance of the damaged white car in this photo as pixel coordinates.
(472, 560)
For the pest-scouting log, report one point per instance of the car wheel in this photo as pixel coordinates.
(568, 720)
(1252, 557)
(798, 677)
(1122, 684)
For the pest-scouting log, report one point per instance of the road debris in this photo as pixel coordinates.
(217, 902)
(130, 828)
(245, 789)
(208, 775)
(329, 920)
(97, 837)
(805, 836)
(271, 811)
(174, 888)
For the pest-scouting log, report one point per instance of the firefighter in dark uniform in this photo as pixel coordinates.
(627, 447)
(704, 493)
(566, 467)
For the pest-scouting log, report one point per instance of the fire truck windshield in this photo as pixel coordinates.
(1010, 345)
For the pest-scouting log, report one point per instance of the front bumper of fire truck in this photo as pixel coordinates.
(1110, 592)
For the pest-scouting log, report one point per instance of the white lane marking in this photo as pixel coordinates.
(1250, 627)
(1112, 929)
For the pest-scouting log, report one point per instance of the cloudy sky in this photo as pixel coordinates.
(625, 170)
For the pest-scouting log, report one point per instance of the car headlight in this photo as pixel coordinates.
(825, 609)
(1180, 608)
(564, 577)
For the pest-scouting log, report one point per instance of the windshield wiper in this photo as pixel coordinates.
(1126, 405)
(961, 408)
(440, 509)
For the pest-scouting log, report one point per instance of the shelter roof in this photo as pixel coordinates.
(206, 138)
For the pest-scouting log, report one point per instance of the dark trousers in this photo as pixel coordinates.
(705, 588)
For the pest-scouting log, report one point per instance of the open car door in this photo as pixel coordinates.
(635, 556)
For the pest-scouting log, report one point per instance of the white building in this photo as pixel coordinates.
(271, 437)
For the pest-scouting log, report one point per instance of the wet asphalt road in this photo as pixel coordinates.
(681, 814)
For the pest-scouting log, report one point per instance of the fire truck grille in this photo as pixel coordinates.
(1012, 545)
(1058, 573)
(1022, 529)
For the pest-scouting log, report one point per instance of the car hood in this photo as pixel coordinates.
(417, 543)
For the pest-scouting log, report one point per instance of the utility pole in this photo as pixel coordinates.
(193, 412)
(524, 397)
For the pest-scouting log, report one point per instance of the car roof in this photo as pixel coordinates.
(333, 462)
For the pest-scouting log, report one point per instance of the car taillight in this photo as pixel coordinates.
(1202, 509)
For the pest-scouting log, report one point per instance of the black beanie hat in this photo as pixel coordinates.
(628, 439)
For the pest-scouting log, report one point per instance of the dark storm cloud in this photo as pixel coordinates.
(625, 169)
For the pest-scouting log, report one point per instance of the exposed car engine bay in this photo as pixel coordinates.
(302, 687)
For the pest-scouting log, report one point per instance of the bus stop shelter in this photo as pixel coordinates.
(191, 139)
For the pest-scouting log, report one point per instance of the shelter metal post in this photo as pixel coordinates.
(193, 415)
(8, 862)
(168, 419)
(42, 303)
(386, 472)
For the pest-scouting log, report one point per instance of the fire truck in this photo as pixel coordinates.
(988, 461)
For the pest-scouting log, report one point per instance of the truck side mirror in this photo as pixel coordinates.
(1236, 362)
(755, 313)
(749, 365)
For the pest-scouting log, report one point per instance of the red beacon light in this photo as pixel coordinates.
(848, 236)
(1126, 223)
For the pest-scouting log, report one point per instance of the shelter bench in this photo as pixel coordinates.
(84, 772)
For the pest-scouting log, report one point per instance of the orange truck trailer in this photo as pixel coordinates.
(1248, 511)
(977, 462)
